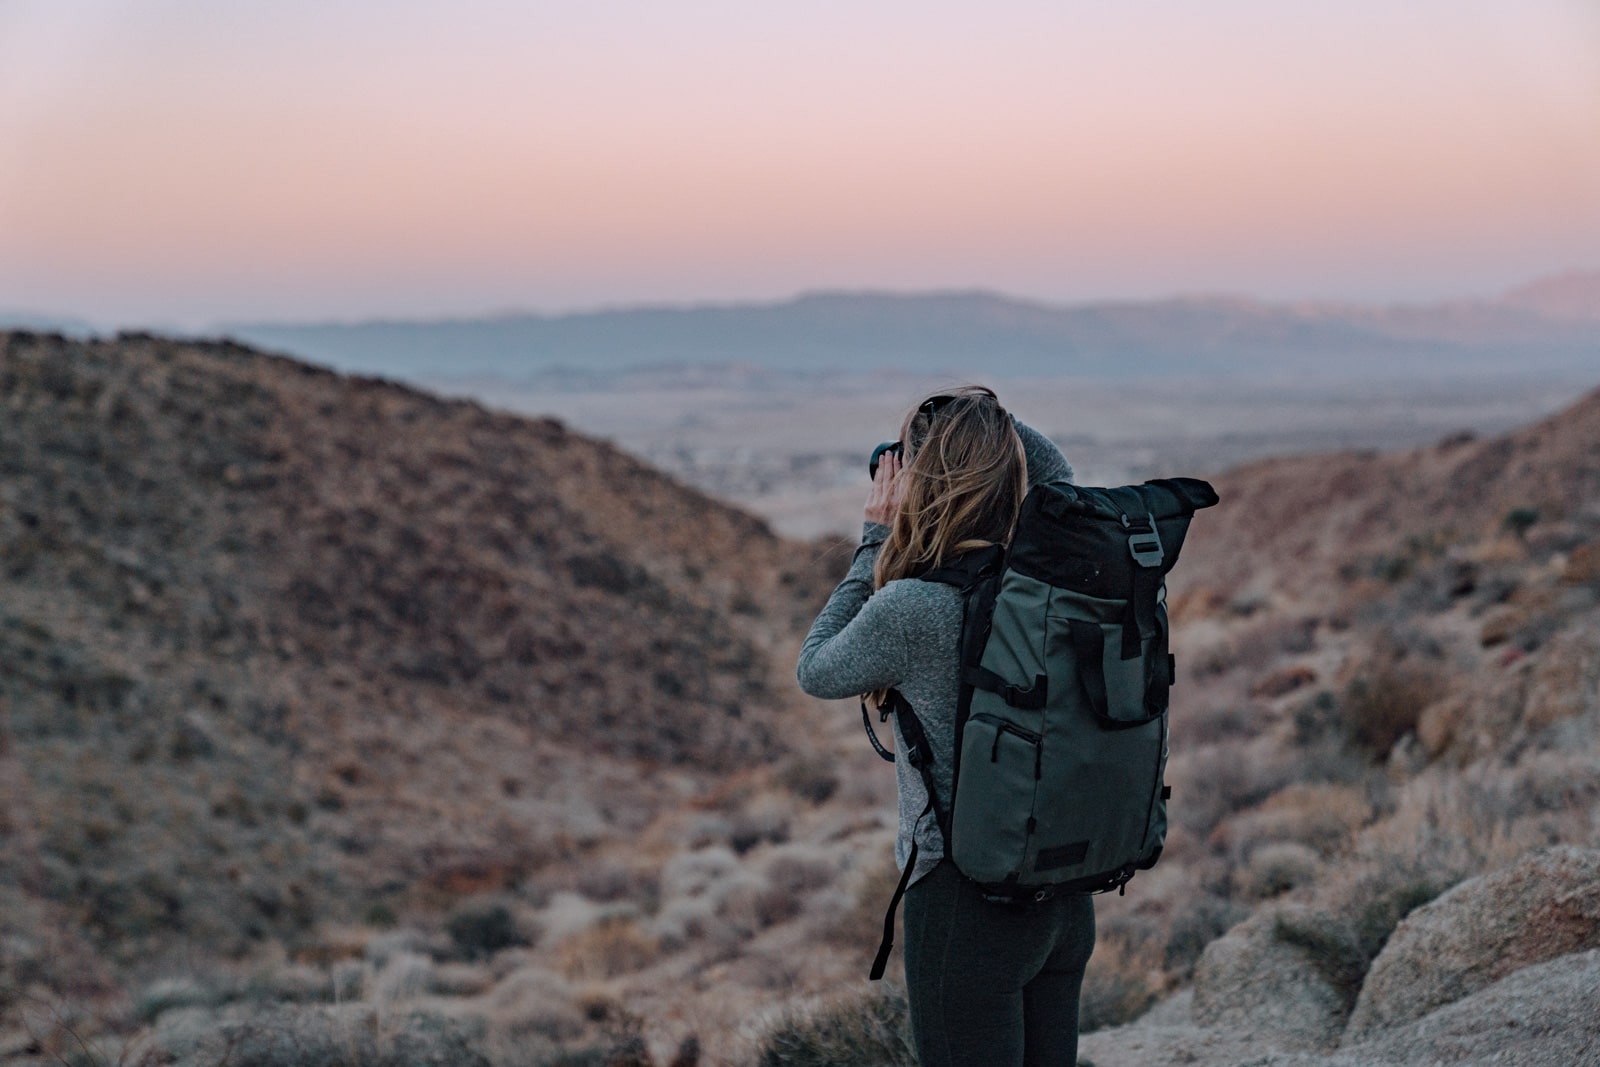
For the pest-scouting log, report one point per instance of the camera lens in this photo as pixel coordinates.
(877, 454)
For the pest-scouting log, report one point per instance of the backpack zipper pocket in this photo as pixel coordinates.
(1005, 726)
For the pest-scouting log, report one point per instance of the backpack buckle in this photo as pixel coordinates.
(1144, 542)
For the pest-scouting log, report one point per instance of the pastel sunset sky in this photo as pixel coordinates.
(190, 161)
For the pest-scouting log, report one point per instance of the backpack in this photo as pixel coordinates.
(1061, 725)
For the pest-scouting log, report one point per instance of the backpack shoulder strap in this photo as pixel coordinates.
(968, 569)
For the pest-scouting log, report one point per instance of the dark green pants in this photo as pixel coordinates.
(993, 985)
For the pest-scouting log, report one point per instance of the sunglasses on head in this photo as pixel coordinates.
(929, 407)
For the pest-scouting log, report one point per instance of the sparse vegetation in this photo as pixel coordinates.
(810, 777)
(612, 947)
(481, 930)
(1124, 978)
(871, 1030)
(1519, 521)
(1381, 706)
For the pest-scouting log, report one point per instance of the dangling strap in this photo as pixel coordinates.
(886, 946)
(920, 755)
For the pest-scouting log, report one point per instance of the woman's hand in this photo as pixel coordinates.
(884, 498)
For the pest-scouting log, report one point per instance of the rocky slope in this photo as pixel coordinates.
(1308, 527)
(1392, 688)
(279, 645)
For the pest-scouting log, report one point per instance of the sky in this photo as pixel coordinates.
(190, 162)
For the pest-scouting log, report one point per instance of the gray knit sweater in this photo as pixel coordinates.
(905, 636)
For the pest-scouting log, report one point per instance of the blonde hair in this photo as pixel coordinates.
(962, 484)
(961, 488)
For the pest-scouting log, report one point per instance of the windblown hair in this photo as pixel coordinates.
(962, 484)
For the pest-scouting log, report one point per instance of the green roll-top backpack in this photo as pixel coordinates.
(1061, 728)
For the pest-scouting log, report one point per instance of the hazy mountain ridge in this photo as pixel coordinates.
(969, 331)
(1573, 294)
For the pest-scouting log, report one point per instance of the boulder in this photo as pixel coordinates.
(1545, 905)
(1545, 1014)
(1253, 983)
(1583, 564)
(1548, 1013)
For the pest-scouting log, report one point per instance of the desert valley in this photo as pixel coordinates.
(343, 722)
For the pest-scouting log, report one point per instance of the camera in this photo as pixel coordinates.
(877, 453)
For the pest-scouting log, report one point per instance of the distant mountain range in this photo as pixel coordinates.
(1551, 326)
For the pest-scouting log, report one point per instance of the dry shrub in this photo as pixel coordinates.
(1274, 868)
(610, 881)
(766, 822)
(612, 947)
(750, 909)
(324, 1037)
(460, 980)
(1323, 817)
(872, 1030)
(1259, 646)
(1212, 724)
(810, 777)
(1443, 830)
(1205, 918)
(698, 873)
(479, 930)
(862, 926)
(1382, 705)
(533, 1005)
(1213, 781)
(1282, 682)
(1486, 816)
(1124, 977)
(796, 874)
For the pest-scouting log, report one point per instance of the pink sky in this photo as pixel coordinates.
(193, 161)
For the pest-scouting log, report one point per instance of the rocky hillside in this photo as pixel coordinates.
(1307, 527)
(343, 722)
(278, 645)
(1390, 711)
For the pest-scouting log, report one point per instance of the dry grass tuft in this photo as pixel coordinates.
(872, 1030)
(612, 947)
(1125, 976)
(1381, 706)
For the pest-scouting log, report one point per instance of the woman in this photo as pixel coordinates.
(989, 984)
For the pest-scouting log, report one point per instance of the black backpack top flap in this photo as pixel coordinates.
(1161, 498)
(1093, 540)
(1189, 493)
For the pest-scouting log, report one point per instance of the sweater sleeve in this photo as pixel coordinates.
(857, 644)
(1045, 461)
